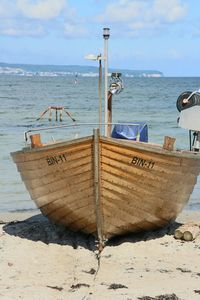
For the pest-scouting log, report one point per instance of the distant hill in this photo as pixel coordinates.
(69, 70)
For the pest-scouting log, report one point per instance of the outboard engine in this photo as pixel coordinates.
(188, 104)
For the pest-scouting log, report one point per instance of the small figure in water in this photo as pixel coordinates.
(76, 79)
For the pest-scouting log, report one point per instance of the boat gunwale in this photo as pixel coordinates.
(53, 145)
(150, 147)
(144, 146)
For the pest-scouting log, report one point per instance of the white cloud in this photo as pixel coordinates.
(73, 30)
(137, 25)
(12, 31)
(138, 15)
(7, 8)
(123, 11)
(38, 17)
(43, 9)
(129, 10)
(21, 28)
(170, 10)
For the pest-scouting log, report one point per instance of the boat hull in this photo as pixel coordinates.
(108, 187)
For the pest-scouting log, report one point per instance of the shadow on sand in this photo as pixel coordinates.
(145, 235)
(39, 228)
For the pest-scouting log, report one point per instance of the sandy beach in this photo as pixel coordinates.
(39, 260)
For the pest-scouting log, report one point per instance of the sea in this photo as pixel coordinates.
(24, 96)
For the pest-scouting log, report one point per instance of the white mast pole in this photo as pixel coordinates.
(106, 35)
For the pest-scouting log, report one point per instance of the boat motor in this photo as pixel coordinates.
(188, 104)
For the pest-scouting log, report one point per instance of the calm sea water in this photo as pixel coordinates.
(23, 98)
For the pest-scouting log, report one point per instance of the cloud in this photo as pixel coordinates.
(18, 28)
(38, 17)
(7, 9)
(43, 9)
(170, 10)
(22, 31)
(143, 15)
(123, 11)
(73, 30)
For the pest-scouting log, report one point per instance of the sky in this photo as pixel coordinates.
(161, 35)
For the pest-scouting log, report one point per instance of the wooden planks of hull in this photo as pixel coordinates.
(56, 177)
(76, 219)
(138, 186)
(168, 164)
(47, 164)
(29, 154)
(55, 190)
(144, 185)
(65, 196)
(60, 180)
(108, 187)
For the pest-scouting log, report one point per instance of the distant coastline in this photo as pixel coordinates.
(68, 70)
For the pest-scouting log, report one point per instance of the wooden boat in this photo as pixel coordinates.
(106, 186)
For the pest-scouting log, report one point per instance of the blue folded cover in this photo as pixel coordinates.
(136, 131)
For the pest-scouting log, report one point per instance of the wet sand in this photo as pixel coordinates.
(39, 260)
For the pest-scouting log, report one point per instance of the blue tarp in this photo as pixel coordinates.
(136, 131)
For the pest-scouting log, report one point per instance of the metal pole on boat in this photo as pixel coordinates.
(100, 93)
(98, 58)
(106, 35)
(109, 128)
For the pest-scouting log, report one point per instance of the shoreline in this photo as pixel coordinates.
(39, 260)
